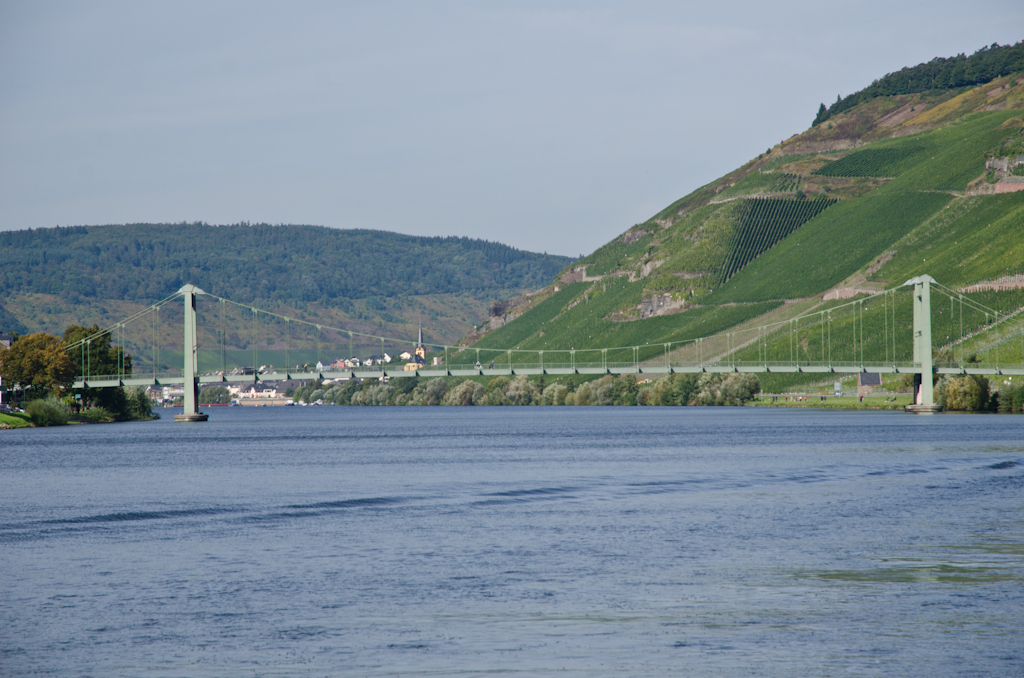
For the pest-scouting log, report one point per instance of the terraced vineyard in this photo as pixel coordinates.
(872, 162)
(764, 222)
(785, 182)
(832, 246)
(968, 225)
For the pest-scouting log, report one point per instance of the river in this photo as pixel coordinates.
(329, 541)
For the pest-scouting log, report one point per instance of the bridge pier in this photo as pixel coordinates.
(190, 385)
(924, 394)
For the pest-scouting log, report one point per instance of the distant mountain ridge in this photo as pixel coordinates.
(250, 262)
(369, 279)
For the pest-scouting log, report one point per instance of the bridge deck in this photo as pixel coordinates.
(102, 381)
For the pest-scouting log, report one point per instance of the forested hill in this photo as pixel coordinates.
(248, 263)
(955, 72)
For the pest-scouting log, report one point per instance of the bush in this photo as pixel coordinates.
(375, 394)
(495, 392)
(137, 403)
(1011, 398)
(603, 391)
(98, 415)
(465, 393)
(583, 394)
(733, 389)
(430, 393)
(435, 392)
(939, 391)
(738, 389)
(343, 394)
(554, 394)
(965, 393)
(522, 392)
(49, 412)
(624, 390)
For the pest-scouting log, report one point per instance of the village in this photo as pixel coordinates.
(266, 393)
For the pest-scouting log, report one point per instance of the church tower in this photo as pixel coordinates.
(421, 350)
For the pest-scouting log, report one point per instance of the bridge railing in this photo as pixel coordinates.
(499, 368)
(138, 375)
(689, 364)
(588, 367)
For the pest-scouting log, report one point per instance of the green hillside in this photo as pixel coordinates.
(889, 186)
(365, 280)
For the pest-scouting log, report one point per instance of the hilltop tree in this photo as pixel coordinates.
(38, 361)
(954, 72)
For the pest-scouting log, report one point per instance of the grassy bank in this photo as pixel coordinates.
(15, 420)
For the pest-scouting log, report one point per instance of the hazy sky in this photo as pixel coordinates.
(551, 126)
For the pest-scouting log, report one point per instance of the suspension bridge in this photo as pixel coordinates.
(880, 333)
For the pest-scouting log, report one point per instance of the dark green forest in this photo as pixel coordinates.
(938, 74)
(143, 262)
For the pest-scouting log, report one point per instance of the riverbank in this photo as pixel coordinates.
(834, 402)
(20, 420)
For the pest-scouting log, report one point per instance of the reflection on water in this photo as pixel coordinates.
(538, 541)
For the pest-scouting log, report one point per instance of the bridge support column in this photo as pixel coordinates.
(924, 394)
(191, 412)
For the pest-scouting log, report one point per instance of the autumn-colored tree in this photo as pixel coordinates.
(38, 361)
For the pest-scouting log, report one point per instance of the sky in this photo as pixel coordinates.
(549, 126)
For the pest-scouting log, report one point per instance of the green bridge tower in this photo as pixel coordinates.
(190, 348)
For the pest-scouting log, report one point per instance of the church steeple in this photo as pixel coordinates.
(421, 350)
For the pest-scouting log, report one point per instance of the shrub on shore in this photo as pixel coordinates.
(98, 415)
(963, 393)
(138, 406)
(676, 389)
(49, 412)
(1011, 398)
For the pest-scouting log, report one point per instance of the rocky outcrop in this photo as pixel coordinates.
(645, 269)
(633, 234)
(500, 321)
(824, 146)
(661, 304)
(652, 306)
(499, 308)
(578, 274)
(503, 312)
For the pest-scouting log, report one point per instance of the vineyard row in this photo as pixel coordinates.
(763, 223)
